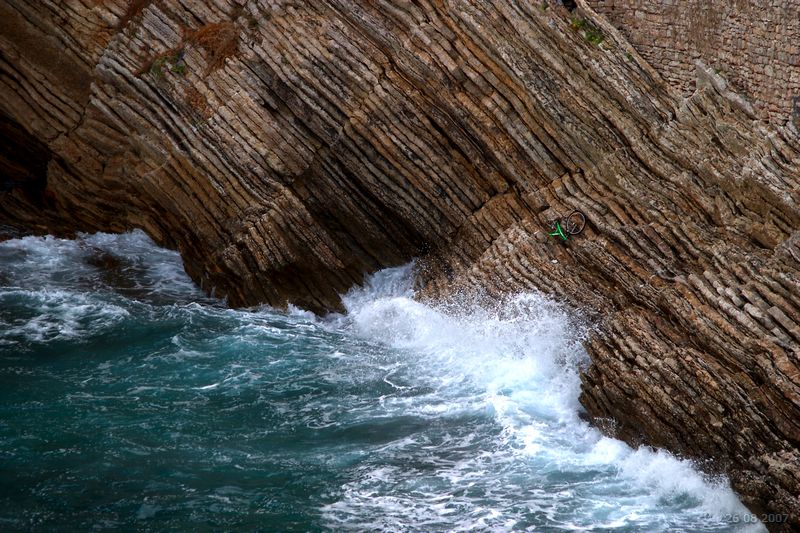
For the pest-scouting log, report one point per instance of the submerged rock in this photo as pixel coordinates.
(103, 260)
(285, 149)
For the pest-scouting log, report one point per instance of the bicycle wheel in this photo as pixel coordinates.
(575, 222)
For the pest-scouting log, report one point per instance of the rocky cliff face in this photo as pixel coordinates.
(287, 148)
(753, 43)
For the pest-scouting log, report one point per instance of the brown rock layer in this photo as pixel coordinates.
(286, 148)
(754, 43)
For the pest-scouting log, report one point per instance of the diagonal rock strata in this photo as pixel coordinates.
(295, 146)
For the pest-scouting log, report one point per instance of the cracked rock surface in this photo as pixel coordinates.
(288, 148)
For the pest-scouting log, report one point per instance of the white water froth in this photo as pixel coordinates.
(511, 373)
(520, 363)
(72, 299)
(43, 262)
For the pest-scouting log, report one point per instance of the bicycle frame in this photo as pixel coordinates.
(558, 232)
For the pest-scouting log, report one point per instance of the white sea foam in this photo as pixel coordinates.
(520, 364)
(486, 400)
(49, 290)
(61, 314)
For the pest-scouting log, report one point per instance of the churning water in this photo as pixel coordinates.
(129, 400)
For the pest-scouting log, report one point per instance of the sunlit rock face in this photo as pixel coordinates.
(288, 148)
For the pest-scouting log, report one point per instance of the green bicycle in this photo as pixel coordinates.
(572, 224)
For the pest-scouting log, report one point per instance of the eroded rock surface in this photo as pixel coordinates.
(754, 43)
(287, 148)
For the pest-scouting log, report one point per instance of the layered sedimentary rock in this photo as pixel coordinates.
(752, 42)
(288, 148)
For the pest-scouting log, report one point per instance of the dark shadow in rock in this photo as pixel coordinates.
(8, 232)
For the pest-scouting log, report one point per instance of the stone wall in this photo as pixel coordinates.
(755, 44)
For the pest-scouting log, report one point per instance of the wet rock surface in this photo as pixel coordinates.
(285, 149)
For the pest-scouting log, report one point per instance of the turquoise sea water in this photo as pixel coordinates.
(130, 401)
